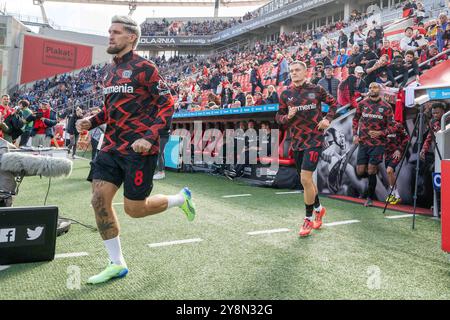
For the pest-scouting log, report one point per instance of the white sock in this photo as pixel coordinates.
(397, 195)
(175, 200)
(318, 208)
(115, 251)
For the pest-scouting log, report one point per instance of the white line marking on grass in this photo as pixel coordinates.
(4, 267)
(71, 255)
(289, 192)
(399, 216)
(237, 195)
(171, 243)
(253, 233)
(338, 223)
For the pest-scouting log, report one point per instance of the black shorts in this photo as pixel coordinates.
(134, 171)
(389, 161)
(370, 155)
(307, 159)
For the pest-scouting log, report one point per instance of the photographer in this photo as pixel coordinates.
(76, 115)
(44, 121)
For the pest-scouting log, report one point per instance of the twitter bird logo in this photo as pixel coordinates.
(34, 234)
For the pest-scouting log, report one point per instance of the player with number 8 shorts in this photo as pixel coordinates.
(300, 110)
(137, 104)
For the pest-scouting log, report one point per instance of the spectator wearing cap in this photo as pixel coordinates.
(318, 73)
(383, 78)
(351, 88)
(272, 95)
(227, 95)
(330, 83)
(408, 42)
(256, 78)
(44, 121)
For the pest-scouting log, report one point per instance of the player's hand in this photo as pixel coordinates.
(83, 124)
(141, 146)
(397, 155)
(292, 112)
(355, 140)
(375, 134)
(323, 125)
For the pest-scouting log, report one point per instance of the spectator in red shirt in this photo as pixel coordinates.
(5, 111)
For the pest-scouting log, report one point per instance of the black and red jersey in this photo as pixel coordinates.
(396, 140)
(307, 99)
(434, 126)
(373, 116)
(138, 103)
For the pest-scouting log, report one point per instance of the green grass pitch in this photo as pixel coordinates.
(377, 258)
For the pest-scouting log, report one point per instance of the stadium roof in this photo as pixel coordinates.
(226, 3)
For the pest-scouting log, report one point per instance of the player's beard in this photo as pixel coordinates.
(374, 95)
(115, 50)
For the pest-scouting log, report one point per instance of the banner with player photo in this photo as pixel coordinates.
(336, 172)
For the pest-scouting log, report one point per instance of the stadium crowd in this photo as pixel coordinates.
(191, 28)
(343, 62)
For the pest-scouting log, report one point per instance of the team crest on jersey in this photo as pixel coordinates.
(163, 88)
(126, 74)
(380, 109)
(311, 95)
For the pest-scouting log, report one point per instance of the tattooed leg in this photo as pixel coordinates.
(102, 196)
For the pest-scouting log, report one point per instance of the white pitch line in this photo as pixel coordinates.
(399, 216)
(71, 255)
(4, 267)
(338, 223)
(171, 243)
(237, 195)
(253, 233)
(289, 192)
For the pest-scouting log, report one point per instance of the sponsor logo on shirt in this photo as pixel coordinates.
(373, 116)
(307, 107)
(118, 89)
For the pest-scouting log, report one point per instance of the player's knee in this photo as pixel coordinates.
(97, 200)
(306, 179)
(390, 170)
(134, 210)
